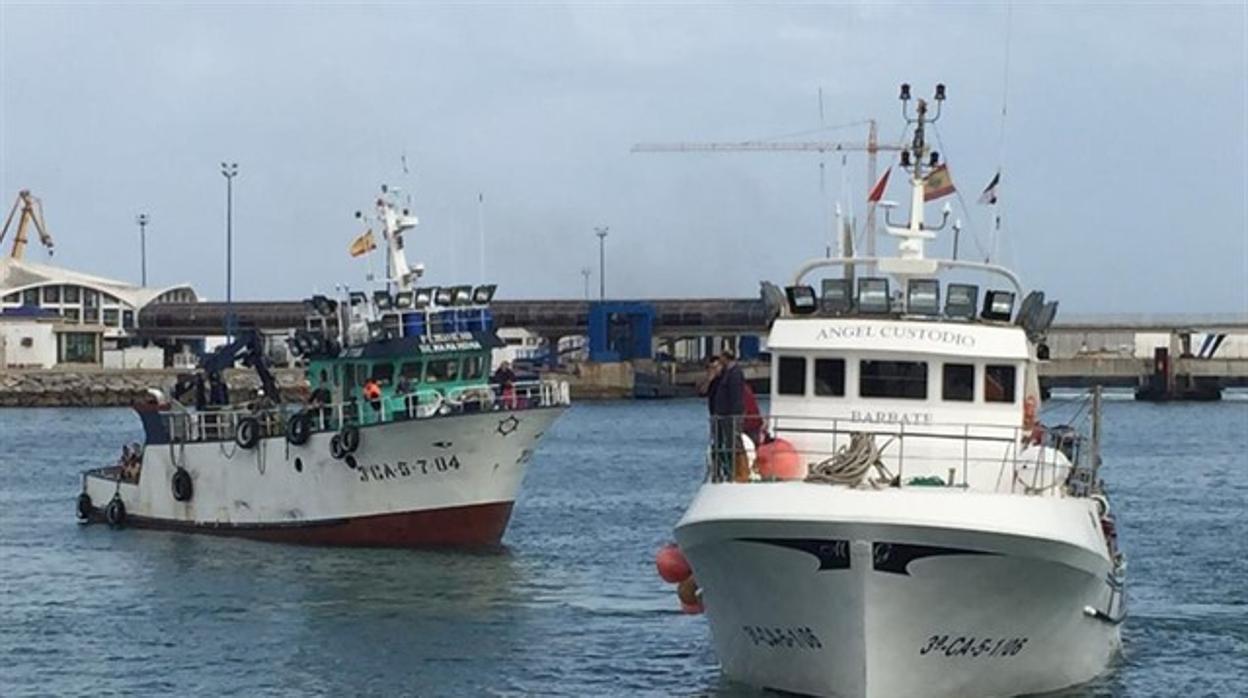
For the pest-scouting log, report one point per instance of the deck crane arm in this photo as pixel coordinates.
(249, 349)
(32, 214)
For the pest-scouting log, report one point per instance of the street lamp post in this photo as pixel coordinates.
(229, 171)
(585, 272)
(142, 220)
(601, 232)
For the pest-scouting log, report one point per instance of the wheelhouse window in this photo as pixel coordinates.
(792, 378)
(441, 370)
(893, 379)
(958, 382)
(411, 371)
(830, 377)
(383, 372)
(472, 368)
(999, 383)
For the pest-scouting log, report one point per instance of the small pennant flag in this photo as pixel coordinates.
(363, 244)
(937, 184)
(990, 192)
(877, 192)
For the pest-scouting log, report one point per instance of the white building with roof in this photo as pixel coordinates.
(91, 317)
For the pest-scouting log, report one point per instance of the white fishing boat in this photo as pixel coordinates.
(908, 527)
(404, 443)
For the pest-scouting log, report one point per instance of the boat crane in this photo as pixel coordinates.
(32, 212)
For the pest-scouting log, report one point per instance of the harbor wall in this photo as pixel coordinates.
(120, 387)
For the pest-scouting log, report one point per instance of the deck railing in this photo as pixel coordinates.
(423, 403)
(861, 453)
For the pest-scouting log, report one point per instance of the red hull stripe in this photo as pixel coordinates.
(467, 526)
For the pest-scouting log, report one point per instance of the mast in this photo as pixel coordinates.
(394, 223)
(873, 147)
(919, 160)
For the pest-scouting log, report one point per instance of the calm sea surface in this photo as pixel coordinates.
(572, 607)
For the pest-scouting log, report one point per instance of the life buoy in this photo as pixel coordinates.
(299, 429)
(335, 447)
(350, 438)
(84, 506)
(183, 488)
(248, 433)
(115, 513)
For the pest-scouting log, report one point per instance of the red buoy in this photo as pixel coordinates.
(778, 460)
(672, 565)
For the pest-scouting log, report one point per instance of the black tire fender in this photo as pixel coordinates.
(248, 433)
(299, 429)
(350, 438)
(115, 513)
(85, 507)
(335, 447)
(183, 488)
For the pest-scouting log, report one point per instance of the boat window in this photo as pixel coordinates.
(792, 379)
(830, 377)
(441, 370)
(472, 368)
(383, 372)
(411, 371)
(959, 382)
(899, 379)
(999, 383)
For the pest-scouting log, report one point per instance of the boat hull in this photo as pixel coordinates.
(448, 480)
(853, 593)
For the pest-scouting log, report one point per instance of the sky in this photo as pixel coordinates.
(1122, 146)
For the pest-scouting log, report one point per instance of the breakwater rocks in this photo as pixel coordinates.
(121, 388)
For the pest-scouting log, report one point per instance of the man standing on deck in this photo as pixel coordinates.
(727, 407)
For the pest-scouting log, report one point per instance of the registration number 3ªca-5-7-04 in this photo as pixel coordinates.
(401, 469)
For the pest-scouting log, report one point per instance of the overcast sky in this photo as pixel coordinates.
(1125, 186)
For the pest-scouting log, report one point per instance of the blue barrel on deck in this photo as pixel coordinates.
(414, 324)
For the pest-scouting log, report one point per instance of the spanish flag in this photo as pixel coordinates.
(937, 184)
(363, 244)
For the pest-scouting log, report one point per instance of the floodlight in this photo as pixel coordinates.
(837, 296)
(382, 300)
(358, 298)
(962, 301)
(425, 296)
(482, 295)
(923, 297)
(443, 295)
(998, 305)
(404, 300)
(801, 299)
(461, 295)
(873, 295)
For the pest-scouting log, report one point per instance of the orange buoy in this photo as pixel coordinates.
(672, 565)
(778, 460)
(687, 591)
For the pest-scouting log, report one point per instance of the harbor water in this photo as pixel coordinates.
(571, 606)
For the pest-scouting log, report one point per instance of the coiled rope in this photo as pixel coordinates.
(851, 463)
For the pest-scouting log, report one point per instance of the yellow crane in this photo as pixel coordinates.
(31, 212)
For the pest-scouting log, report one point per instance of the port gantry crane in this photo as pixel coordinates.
(871, 147)
(31, 213)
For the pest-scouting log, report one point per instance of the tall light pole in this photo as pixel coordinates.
(229, 171)
(601, 232)
(142, 220)
(585, 272)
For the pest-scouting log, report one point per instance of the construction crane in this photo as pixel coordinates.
(32, 212)
(871, 147)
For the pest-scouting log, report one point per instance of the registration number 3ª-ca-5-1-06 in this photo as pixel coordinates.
(971, 646)
(421, 466)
